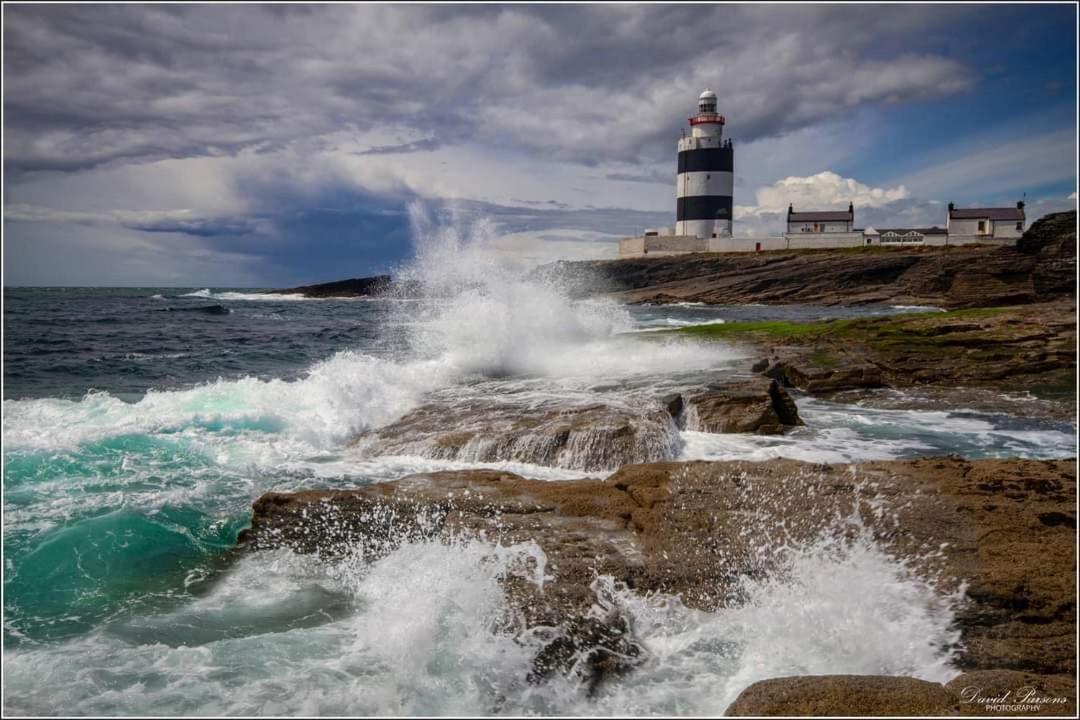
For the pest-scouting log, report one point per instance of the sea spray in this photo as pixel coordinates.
(427, 629)
(487, 316)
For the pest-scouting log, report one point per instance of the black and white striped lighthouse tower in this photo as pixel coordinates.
(706, 180)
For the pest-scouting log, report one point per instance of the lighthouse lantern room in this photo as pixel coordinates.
(706, 175)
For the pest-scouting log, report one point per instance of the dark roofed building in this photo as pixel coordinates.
(1016, 213)
(821, 221)
(999, 226)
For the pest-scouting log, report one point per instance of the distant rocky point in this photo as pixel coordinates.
(355, 287)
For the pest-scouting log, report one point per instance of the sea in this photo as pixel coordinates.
(139, 425)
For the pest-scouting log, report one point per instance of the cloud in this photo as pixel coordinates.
(289, 139)
(999, 167)
(184, 222)
(874, 206)
(109, 84)
(823, 191)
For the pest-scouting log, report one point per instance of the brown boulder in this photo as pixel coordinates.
(843, 695)
(759, 406)
(819, 381)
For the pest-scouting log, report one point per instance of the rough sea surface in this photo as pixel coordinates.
(140, 423)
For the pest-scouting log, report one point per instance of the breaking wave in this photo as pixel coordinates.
(428, 630)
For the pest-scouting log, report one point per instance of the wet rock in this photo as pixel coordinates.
(760, 365)
(759, 406)
(697, 529)
(675, 405)
(818, 381)
(592, 649)
(843, 696)
(1028, 348)
(589, 437)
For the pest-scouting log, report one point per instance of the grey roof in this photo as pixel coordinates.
(922, 231)
(1007, 213)
(821, 216)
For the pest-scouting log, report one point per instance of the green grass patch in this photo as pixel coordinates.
(979, 312)
(918, 328)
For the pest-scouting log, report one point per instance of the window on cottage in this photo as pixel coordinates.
(982, 226)
(1020, 226)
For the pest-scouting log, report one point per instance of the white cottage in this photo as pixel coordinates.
(1000, 226)
(822, 229)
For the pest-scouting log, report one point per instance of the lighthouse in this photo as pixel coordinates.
(706, 175)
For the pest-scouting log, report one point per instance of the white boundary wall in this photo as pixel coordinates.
(804, 241)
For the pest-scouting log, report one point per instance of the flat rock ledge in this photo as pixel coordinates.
(590, 437)
(1006, 528)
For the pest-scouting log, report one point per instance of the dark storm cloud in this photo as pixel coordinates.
(198, 227)
(105, 84)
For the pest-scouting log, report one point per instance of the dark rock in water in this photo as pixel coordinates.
(696, 529)
(844, 696)
(674, 405)
(759, 406)
(760, 365)
(593, 649)
(201, 309)
(356, 287)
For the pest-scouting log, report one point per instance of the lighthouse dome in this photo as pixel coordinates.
(707, 102)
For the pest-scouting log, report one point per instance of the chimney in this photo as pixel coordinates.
(1020, 205)
(851, 209)
(951, 207)
(790, 208)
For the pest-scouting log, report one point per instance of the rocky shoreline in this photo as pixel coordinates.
(1005, 528)
(994, 538)
(1020, 349)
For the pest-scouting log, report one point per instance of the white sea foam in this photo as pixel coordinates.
(479, 318)
(918, 308)
(427, 631)
(258, 297)
(341, 396)
(664, 324)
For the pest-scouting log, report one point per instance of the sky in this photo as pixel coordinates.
(278, 145)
